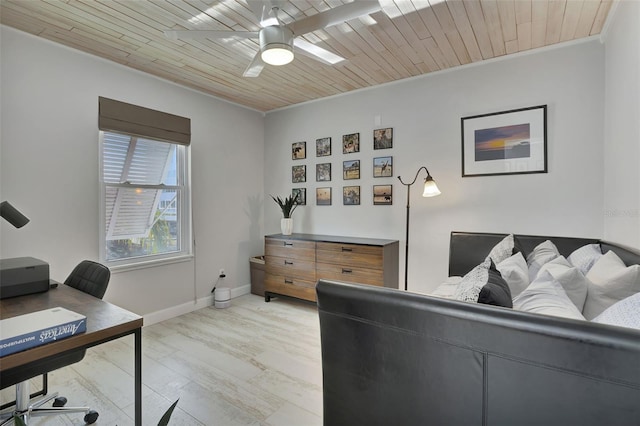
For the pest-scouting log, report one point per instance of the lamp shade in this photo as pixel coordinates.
(430, 187)
(276, 45)
(12, 215)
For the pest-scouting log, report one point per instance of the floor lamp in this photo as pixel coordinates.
(430, 190)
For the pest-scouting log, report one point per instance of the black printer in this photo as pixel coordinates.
(23, 275)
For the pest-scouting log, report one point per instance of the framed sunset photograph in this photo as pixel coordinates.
(505, 143)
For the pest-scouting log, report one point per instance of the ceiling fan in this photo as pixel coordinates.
(277, 40)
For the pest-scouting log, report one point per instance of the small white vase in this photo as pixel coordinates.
(286, 226)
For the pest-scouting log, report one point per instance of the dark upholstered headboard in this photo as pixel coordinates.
(468, 249)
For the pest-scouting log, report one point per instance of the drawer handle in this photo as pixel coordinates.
(286, 262)
(347, 249)
(346, 271)
(286, 244)
(286, 281)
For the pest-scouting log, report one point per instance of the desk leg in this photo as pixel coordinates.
(138, 376)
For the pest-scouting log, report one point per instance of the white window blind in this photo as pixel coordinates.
(143, 194)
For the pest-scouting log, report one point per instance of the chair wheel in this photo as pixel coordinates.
(59, 401)
(91, 417)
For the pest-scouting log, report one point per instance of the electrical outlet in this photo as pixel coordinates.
(222, 274)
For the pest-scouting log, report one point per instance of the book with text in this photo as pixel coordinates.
(39, 328)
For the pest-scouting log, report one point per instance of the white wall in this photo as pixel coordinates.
(622, 126)
(425, 113)
(49, 170)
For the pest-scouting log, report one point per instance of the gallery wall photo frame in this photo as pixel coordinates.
(323, 196)
(351, 169)
(383, 138)
(298, 174)
(301, 195)
(323, 147)
(298, 150)
(351, 143)
(351, 195)
(505, 142)
(323, 172)
(382, 167)
(382, 195)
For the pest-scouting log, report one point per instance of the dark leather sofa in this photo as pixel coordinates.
(391, 357)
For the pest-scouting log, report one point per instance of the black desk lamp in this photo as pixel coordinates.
(12, 215)
(430, 190)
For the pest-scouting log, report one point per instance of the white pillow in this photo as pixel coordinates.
(584, 257)
(502, 250)
(543, 253)
(610, 281)
(546, 296)
(515, 272)
(574, 283)
(447, 289)
(625, 313)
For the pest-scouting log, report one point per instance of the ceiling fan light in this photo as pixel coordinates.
(274, 55)
(276, 45)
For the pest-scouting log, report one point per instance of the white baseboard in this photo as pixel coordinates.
(185, 308)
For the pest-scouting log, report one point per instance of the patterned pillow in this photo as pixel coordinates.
(585, 257)
(625, 313)
(504, 249)
(484, 284)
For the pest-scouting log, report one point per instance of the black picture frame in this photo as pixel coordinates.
(323, 196)
(323, 172)
(351, 169)
(301, 193)
(505, 142)
(351, 143)
(383, 138)
(298, 174)
(298, 150)
(383, 167)
(382, 195)
(323, 147)
(351, 195)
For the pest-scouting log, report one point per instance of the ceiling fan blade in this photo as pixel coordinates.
(316, 52)
(334, 16)
(208, 34)
(255, 67)
(260, 9)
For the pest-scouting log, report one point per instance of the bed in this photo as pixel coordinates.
(394, 357)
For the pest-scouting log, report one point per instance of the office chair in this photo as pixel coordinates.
(91, 278)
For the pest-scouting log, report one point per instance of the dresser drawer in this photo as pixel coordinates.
(301, 289)
(291, 249)
(350, 274)
(290, 267)
(353, 255)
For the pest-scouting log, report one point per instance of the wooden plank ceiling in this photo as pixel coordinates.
(406, 38)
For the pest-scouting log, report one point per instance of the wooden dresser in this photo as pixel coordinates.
(294, 263)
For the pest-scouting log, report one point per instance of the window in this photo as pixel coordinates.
(145, 199)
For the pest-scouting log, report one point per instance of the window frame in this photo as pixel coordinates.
(183, 172)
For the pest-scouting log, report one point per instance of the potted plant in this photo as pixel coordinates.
(287, 205)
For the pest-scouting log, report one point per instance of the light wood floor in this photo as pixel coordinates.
(254, 363)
